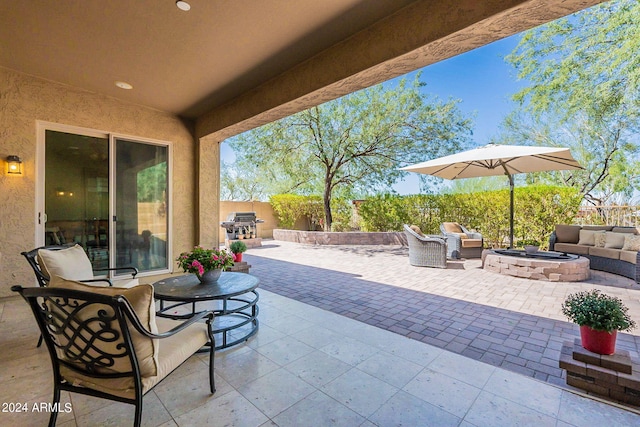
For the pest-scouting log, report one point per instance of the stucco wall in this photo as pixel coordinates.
(25, 100)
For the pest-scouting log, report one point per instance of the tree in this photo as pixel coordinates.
(584, 94)
(587, 62)
(605, 151)
(355, 144)
(243, 184)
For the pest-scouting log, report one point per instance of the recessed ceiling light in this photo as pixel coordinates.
(183, 5)
(124, 85)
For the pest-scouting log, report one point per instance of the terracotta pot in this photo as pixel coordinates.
(238, 257)
(600, 342)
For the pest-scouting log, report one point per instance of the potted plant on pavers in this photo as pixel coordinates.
(237, 248)
(600, 317)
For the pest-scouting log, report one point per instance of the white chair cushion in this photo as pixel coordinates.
(71, 263)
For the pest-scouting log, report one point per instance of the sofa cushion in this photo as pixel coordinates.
(629, 256)
(141, 299)
(605, 252)
(567, 233)
(587, 237)
(631, 243)
(600, 239)
(631, 230)
(598, 227)
(571, 248)
(471, 243)
(614, 240)
(71, 263)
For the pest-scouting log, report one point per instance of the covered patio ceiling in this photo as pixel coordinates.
(231, 65)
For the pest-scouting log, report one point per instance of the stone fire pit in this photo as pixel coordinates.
(551, 266)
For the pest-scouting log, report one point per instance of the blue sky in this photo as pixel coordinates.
(481, 79)
(483, 82)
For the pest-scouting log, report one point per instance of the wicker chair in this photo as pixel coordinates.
(424, 250)
(461, 243)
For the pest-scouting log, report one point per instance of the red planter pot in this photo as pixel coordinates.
(238, 257)
(601, 342)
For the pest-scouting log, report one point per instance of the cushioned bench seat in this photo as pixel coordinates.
(612, 249)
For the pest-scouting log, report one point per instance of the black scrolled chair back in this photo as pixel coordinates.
(84, 332)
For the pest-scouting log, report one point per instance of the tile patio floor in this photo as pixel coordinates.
(308, 366)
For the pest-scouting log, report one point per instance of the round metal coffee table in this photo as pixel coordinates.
(234, 304)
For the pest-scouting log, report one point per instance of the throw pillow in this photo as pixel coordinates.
(631, 243)
(417, 230)
(587, 237)
(141, 300)
(600, 239)
(452, 227)
(71, 263)
(615, 240)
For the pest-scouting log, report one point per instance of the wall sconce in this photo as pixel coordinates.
(14, 165)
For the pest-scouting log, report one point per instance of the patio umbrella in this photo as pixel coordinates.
(492, 160)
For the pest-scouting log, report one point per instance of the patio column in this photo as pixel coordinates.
(208, 190)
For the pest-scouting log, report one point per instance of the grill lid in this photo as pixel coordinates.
(241, 216)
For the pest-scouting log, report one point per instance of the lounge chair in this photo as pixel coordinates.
(461, 243)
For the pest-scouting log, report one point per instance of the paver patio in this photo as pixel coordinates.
(509, 322)
(308, 366)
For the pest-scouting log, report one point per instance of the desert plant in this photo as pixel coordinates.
(598, 311)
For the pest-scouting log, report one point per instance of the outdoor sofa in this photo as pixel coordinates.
(609, 248)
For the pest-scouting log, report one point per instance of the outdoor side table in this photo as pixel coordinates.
(235, 303)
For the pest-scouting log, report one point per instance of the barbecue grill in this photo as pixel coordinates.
(240, 222)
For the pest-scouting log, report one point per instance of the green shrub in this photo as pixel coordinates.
(537, 210)
(385, 212)
(288, 208)
(238, 247)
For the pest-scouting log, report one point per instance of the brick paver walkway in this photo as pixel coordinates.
(512, 323)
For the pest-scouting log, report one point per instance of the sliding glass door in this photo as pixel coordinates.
(141, 188)
(109, 195)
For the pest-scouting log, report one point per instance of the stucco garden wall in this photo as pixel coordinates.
(24, 100)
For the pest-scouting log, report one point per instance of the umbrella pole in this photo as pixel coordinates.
(510, 211)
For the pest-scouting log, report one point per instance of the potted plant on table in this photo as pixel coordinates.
(207, 264)
(237, 248)
(600, 317)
